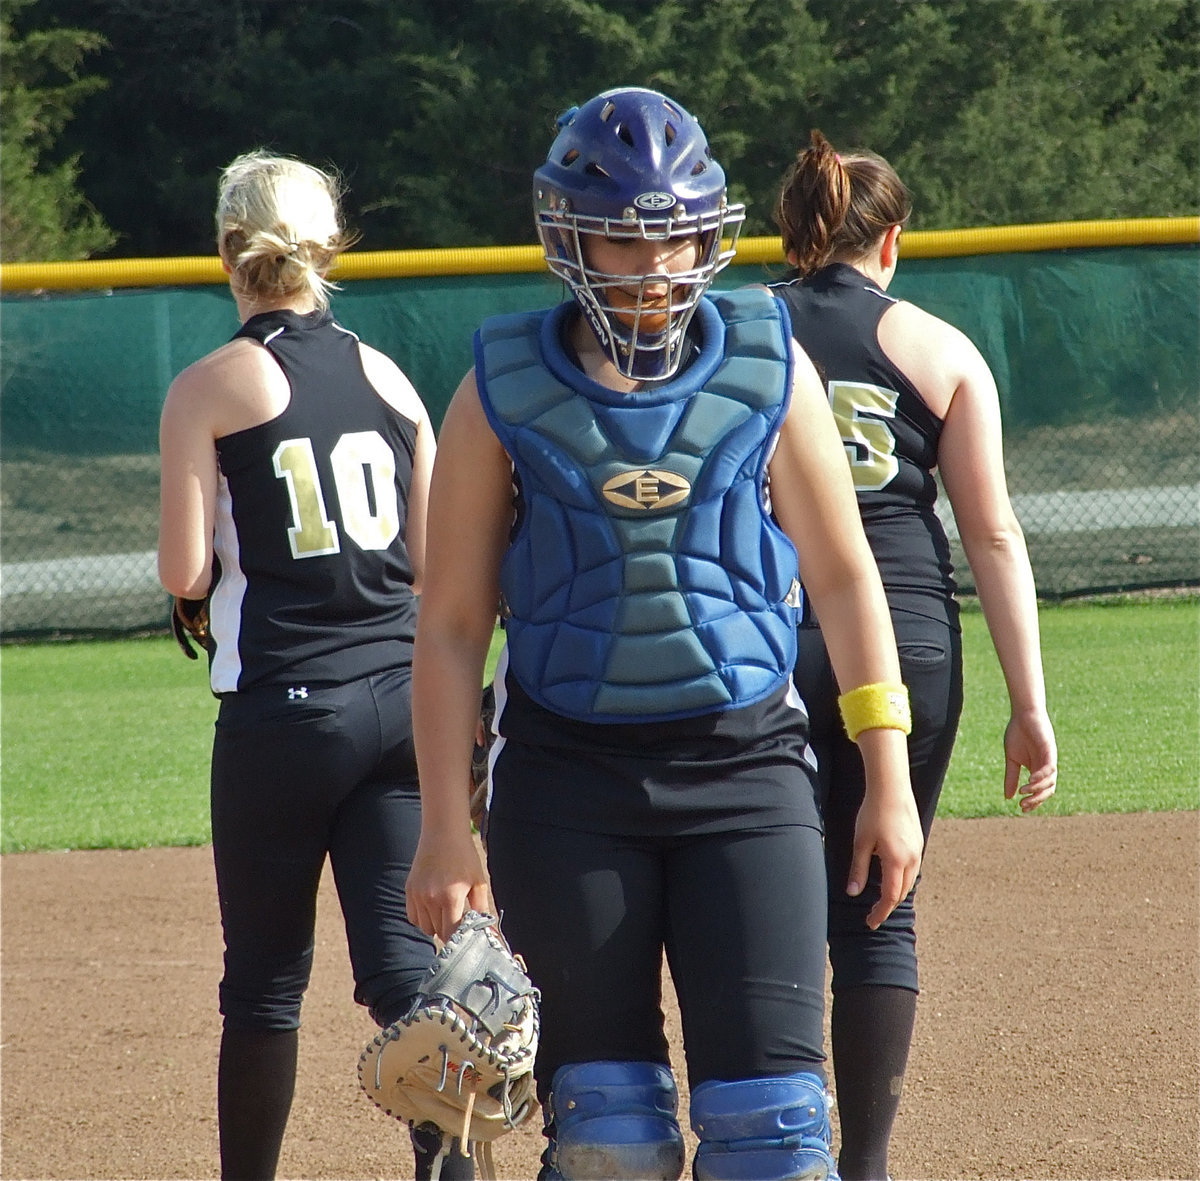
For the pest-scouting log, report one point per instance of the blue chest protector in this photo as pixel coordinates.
(646, 579)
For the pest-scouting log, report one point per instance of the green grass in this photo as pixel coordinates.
(1123, 686)
(106, 743)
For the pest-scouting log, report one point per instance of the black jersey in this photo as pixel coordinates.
(891, 435)
(314, 581)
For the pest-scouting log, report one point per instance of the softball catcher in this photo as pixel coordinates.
(652, 787)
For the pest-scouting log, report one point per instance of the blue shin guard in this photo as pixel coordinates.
(763, 1129)
(614, 1121)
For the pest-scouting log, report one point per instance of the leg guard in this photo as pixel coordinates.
(763, 1129)
(613, 1121)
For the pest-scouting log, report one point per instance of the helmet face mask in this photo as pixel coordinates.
(633, 164)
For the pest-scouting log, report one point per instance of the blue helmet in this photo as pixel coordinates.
(634, 163)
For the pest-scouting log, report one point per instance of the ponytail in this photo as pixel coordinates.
(833, 206)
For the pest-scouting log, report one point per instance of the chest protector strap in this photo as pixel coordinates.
(646, 579)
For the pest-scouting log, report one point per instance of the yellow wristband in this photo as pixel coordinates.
(875, 707)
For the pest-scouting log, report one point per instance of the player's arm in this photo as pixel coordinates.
(415, 531)
(813, 497)
(396, 389)
(187, 486)
(470, 514)
(971, 460)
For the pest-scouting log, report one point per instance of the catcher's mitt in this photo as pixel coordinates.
(462, 1057)
(189, 622)
(480, 756)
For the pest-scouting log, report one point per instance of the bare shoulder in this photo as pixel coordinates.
(224, 364)
(240, 373)
(392, 383)
(932, 353)
(466, 410)
(466, 424)
(806, 381)
(913, 325)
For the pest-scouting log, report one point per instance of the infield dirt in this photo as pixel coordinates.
(1057, 1034)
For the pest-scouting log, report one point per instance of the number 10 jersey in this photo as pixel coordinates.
(314, 583)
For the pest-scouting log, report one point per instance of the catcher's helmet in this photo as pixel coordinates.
(633, 163)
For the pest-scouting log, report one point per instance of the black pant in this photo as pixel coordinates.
(931, 666)
(324, 771)
(740, 914)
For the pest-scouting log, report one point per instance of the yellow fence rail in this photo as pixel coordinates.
(493, 260)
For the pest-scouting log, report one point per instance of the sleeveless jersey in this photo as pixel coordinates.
(314, 583)
(646, 579)
(891, 435)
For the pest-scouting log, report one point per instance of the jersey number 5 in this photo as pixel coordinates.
(364, 476)
(859, 409)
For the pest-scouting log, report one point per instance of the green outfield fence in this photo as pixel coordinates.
(1092, 330)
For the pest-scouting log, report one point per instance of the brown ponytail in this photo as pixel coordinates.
(835, 206)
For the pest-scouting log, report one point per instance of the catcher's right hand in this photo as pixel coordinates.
(189, 622)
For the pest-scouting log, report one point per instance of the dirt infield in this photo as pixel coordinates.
(1056, 1037)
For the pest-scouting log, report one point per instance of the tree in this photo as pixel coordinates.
(43, 215)
(1022, 111)
(437, 114)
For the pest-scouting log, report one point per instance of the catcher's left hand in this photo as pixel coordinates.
(462, 1057)
(189, 622)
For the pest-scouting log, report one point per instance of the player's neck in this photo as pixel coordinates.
(248, 307)
(596, 363)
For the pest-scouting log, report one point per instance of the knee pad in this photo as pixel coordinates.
(763, 1129)
(614, 1121)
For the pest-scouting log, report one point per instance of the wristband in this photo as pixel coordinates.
(883, 706)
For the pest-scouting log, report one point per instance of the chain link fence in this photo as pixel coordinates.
(77, 545)
(1105, 506)
(1102, 416)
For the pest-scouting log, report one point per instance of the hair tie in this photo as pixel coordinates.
(837, 157)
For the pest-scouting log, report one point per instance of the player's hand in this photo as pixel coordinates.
(888, 827)
(446, 880)
(1029, 742)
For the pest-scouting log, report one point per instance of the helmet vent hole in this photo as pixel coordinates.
(570, 157)
(625, 135)
(594, 169)
(699, 167)
(670, 134)
(607, 113)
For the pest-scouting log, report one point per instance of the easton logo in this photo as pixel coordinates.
(647, 489)
(654, 201)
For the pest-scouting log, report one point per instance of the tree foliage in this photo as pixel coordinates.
(993, 111)
(43, 215)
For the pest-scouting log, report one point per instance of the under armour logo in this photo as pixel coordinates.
(297, 693)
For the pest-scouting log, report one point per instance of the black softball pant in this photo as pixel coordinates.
(323, 772)
(931, 666)
(741, 916)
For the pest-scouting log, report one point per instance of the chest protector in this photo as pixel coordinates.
(646, 579)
